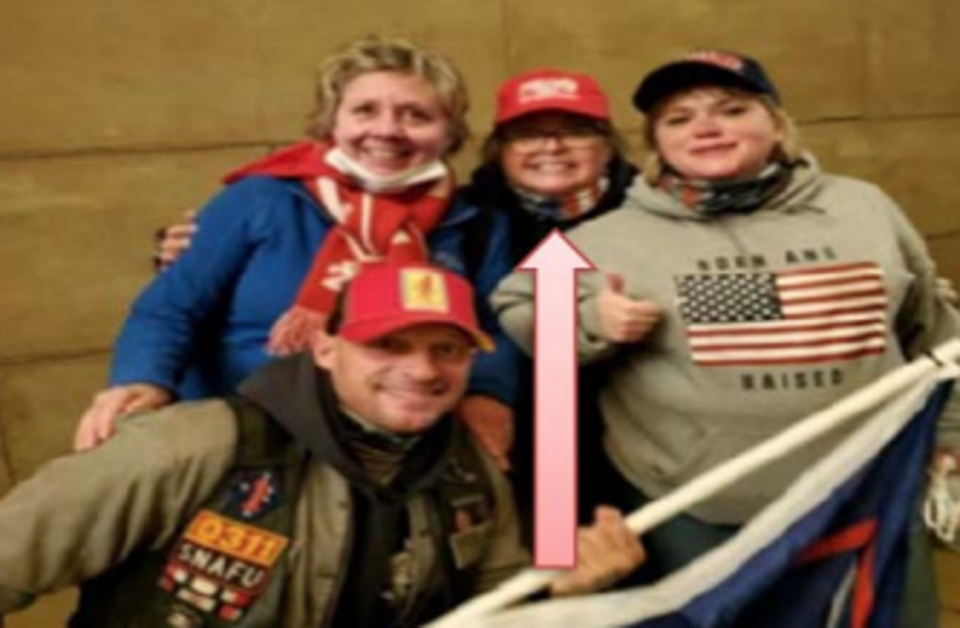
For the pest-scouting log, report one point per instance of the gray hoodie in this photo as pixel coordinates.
(767, 317)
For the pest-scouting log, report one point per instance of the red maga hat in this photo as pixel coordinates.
(551, 90)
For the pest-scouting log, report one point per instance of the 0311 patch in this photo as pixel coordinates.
(254, 493)
(221, 566)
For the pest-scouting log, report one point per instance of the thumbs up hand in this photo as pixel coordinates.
(624, 319)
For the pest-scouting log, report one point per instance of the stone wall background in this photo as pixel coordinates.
(117, 114)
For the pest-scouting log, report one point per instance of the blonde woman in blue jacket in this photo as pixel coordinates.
(274, 247)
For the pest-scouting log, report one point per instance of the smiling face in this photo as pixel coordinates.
(390, 122)
(715, 134)
(402, 382)
(554, 154)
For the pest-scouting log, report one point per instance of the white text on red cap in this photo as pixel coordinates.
(548, 88)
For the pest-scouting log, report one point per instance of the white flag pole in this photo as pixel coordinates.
(890, 385)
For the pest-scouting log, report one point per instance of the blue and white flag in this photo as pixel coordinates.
(830, 552)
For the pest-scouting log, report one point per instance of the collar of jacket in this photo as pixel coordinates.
(300, 397)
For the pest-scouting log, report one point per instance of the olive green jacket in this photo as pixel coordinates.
(83, 514)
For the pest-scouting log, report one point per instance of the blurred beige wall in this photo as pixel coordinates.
(117, 114)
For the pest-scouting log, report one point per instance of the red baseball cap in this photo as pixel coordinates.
(384, 298)
(551, 90)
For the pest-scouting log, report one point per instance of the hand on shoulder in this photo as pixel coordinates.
(98, 423)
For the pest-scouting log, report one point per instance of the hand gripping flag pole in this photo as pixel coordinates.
(941, 362)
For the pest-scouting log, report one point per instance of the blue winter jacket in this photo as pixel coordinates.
(202, 325)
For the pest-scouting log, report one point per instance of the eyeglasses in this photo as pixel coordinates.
(528, 139)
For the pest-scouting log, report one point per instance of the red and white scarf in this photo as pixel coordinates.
(371, 226)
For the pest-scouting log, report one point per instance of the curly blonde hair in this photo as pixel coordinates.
(378, 54)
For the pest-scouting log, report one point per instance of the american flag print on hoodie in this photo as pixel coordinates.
(804, 315)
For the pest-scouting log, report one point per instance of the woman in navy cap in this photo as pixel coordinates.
(780, 289)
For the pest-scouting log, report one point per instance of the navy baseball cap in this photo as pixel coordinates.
(704, 67)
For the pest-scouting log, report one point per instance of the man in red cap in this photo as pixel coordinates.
(332, 491)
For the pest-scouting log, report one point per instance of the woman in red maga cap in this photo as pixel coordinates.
(781, 288)
(275, 246)
(553, 160)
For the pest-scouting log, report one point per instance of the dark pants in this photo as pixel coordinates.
(592, 467)
(921, 605)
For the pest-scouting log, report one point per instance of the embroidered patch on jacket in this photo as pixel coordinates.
(221, 566)
(254, 493)
(182, 617)
(471, 516)
(470, 511)
(403, 577)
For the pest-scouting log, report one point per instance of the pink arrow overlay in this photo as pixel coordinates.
(556, 262)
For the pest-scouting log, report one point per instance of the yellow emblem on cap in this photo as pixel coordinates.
(424, 290)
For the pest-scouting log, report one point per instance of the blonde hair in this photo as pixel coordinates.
(788, 150)
(377, 54)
